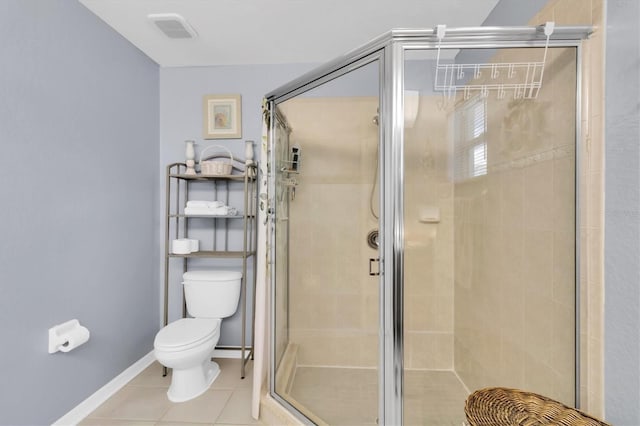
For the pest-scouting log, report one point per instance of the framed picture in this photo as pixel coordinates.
(222, 117)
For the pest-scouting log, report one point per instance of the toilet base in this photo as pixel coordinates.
(190, 383)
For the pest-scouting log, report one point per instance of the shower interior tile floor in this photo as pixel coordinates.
(143, 401)
(349, 396)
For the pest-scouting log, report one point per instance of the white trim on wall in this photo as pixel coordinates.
(87, 406)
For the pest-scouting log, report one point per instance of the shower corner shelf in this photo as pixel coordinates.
(177, 225)
(523, 78)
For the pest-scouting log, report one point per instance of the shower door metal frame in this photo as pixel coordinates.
(367, 55)
(398, 119)
(390, 50)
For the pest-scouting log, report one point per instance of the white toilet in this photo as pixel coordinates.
(186, 345)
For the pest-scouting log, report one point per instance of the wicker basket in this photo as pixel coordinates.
(512, 407)
(216, 166)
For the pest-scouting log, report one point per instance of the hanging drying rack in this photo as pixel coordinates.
(523, 78)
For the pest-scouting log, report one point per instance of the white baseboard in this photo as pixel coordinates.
(87, 406)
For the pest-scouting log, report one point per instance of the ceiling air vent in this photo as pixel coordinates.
(173, 25)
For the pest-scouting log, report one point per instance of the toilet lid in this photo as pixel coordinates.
(186, 332)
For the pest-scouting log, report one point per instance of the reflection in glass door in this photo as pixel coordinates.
(489, 231)
(326, 292)
(282, 196)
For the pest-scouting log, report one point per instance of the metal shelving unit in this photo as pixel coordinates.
(177, 225)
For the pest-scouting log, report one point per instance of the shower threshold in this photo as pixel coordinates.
(349, 396)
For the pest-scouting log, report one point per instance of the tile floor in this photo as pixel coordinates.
(143, 401)
(348, 396)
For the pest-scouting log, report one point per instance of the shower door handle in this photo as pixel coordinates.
(373, 261)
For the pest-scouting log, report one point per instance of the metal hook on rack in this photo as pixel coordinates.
(476, 72)
(548, 28)
(501, 92)
(451, 83)
(525, 78)
(467, 93)
(518, 92)
(440, 30)
(494, 71)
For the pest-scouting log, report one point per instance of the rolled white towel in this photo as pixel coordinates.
(195, 211)
(197, 203)
(226, 211)
(220, 211)
(204, 204)
(208, 211)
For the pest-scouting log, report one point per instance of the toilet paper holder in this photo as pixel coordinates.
(67, 336)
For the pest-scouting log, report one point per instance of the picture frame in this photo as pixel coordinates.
(222, 117)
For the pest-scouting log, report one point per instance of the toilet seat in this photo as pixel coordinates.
(186, 333)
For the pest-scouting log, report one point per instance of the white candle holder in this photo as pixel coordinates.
(248, 156)
(248, 152)
(190, 155)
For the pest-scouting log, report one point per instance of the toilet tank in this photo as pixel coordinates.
(212, 293)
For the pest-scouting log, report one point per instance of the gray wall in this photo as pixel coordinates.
(79, 134)
(514, 12)
(622, 214)
(181, 92)
(505, 13)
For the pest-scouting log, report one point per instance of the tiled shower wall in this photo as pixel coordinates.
(531, 260)
(333, 302)
(428, 251)
(515, 241)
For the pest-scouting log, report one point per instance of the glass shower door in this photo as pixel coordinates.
(325, 153)
(490, 219)
(284, 189)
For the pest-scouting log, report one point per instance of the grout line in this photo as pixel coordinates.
(224, 407)
(163, 414)
(370, 368)
(336, 367)
(461, 382)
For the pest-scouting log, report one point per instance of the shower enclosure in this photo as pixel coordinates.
(423, 195)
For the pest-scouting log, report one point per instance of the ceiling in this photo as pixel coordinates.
(276, 31)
